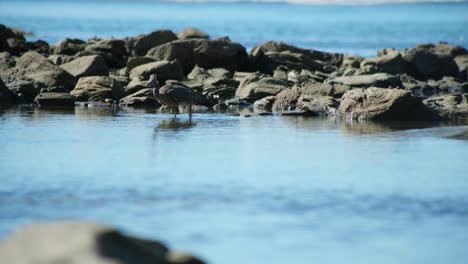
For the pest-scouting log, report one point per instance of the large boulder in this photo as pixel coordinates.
(312, 88)
(68, 47)
(258, 86)
(449, 107)
(12, 40)
(165, 70)
(85, 242)
(192, 33)
(382, 80)
(141, 98)
(97, 89)
(271, 55)
(24, 91)
(449, 50)
(93, 65)
(382, 104)
(462, 63)
(6, 96)
(38, 69)
(206, 53)
(287, 99)
(140, 44)
(137, 61)
(7, 64)
(52, 99)
(392, 63)
(426, 63)
(114, 51)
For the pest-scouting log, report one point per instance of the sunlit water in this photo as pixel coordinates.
(264, 189)
(360, 29)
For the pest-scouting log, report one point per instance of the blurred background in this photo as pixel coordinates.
(353, 27)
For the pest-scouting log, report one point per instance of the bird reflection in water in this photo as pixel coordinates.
(174, 124)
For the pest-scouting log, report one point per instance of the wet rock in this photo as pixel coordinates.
(97, 89)
(93, 65)
(52, 99)
(12, 40)
(382, 80)
(382, 104)
(165, 70)
(36, 68)
(427, 63)
(206, 53)
(266, 103)
(137, 61)
(141, 44)
(113, 51)
(141, 98)
(85, 242)
(449, 107)
(462, 63)
(318, 105)
(24, 91)
(6, 96)
(392, 63)
(192, 33)
(271, 55)
(259, 86)
(68, 47)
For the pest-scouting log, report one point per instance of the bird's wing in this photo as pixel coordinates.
(180, 94)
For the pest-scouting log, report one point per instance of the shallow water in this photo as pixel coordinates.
(358, 29)
(264, 189)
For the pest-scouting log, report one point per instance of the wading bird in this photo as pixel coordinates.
(172, 95)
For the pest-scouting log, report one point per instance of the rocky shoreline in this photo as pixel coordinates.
(427, 82)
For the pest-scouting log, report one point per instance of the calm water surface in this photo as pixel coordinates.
(233, 189)
(359, 29)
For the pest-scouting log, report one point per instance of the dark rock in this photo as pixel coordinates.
(142, 98)
(271, 55)
(6, 96)
(462, 63)
(7, 64)
(68, 47)
(85, 242)
(52, 99)
(141, 44)
(165, 70)
(205, 53)
(351, 61)
(427, 63)
(192, 33)
(266, 103)
(135, 85)
(382, 104)
(25, 91)
(36, 68)
(12, 40)
(259, 86)
(137, 61)
(449, 107)
(382, 80)
(97, 89)
(392, 63)
(87, 66)
(113, 51)
(40, 46)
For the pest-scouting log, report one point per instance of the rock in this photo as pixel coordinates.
(392, 63)
(12, 40)
(97, 89)
(449, 107)
(382, 80)
(60, 59)
(36, 68)
(142, 98)
(93, 65)
(451, 85)
(449, 50)
(25, 91)
(259, 86)
(68, 47)
(287, 99)
(317, 105)
(137, 61)
(312, 88)
(52, 99)
(215, 84)
(427, 63)
(382, 104)
(271, 55)
(201, 73)
(141, 44)
(6, 96)
(113, 51)
(192, 33)
(205, 53)
(351, 61)
(39, 46)
(85, 242)
(462, 63)
(7, 63)
(165, 70)
(265, 103)
(135, 85)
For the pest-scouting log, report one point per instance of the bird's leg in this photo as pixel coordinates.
(190, 113)
(174, 111)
